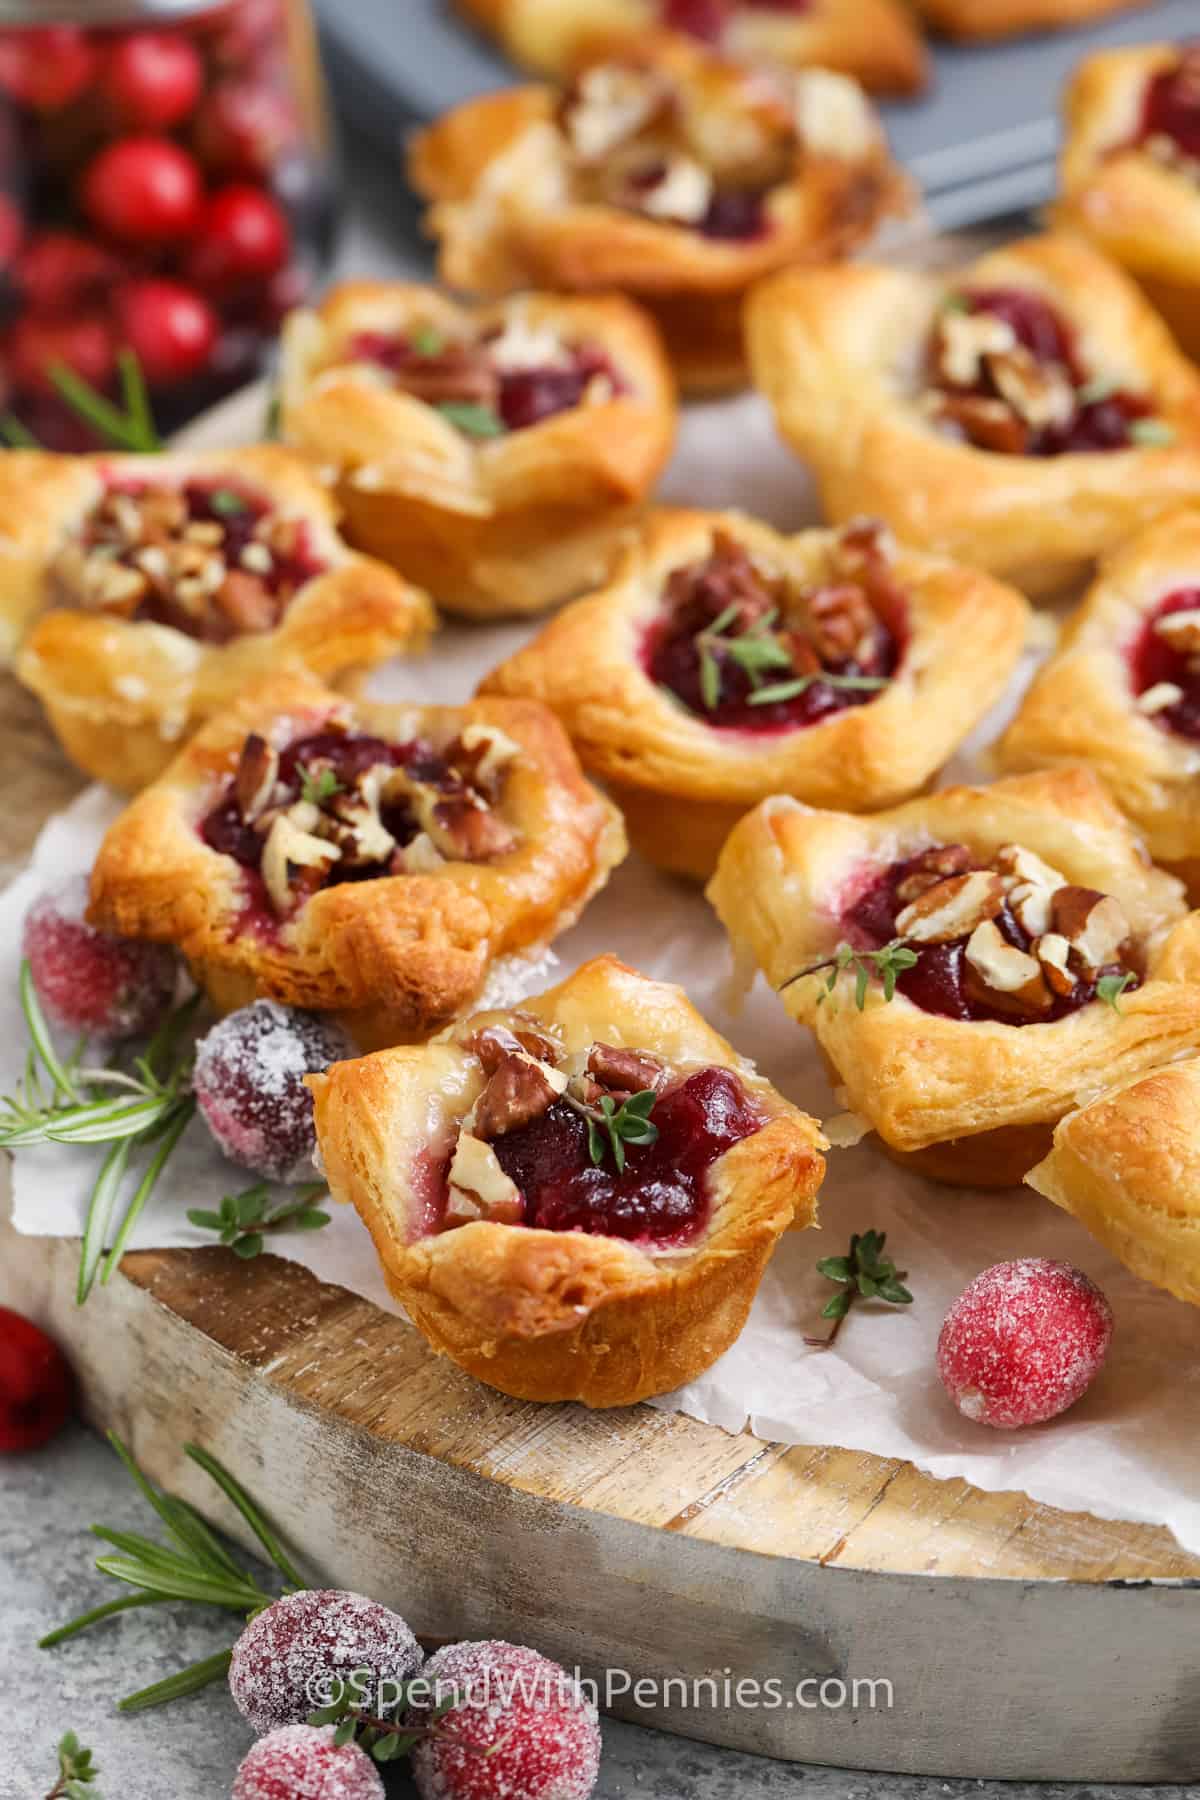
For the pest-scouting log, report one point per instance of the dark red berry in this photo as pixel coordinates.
(242, 128)
(170, 328)
(142, 190)
(12, 231)
(288, 1658)
(86, 344)
(48, 68)
(59, 273)
(87, 981)
(249, 1082)
(153, 80)
(302, 1762)
(243, 236)
(37, 1389)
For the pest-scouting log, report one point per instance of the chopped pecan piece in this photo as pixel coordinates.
(258, 767)
(1054, 953)
(990, 424)
(294, 861)
(463, 374)
(701, 592)
(953, 908)
(997, 974)
(479, 1188)
(1040, 393)
(246, 602)
(1094, 925)
(932, 866)
(518, 1092)
(493, 1043)
(471, 833)
(842, 623)
(625, 1071)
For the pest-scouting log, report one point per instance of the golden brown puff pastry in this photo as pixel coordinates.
(674, 174)
(1024, 415)
(482, 1166)
(173, 580)
(1004, 18)
(1122, 692)
(876, 41)
(1040, 955)
(379, 862)
(493, 453)
(1130, 171)
(1127, 1165)
(725, 662)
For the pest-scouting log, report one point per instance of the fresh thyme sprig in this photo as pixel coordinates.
(1109, 988)
(611, 1127)
(76, 1771)
(886, 964)
(426, 340)
(472, 419)
(318, 787)
(244, 1220)
(195, 1567)
(67, 1102)
(384, 1738)
(863, 1273)
(755, 650)
(791, 690)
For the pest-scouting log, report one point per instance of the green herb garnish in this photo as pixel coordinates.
(885, 964)
(1152, 432)
(791, 690)
(319, 786)
(383, 1737)
(243, 1221)
(130, 429)
(472, 419)
(1098, 389)
(227, 503)
(612, 1127)
(76, 1771)
(755, 650)
(427, 341)
(863, 1273)
(1109, 988)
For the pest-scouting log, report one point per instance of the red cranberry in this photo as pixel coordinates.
(46, 69)
(243, 126)
(302, 1762)
(143, 190)
(1035, 322)
(243, 235)
(59, 273)
(249, 1082)
(703, 19)
(1172, 106)
(170, 328)
(1023, 1342)
(12, 230)
(523, 1727)
(1153, 660)
(85, 344)
(288, 1658)
(87, 981)
(36, 1386)
(153, 80)
(248, 31)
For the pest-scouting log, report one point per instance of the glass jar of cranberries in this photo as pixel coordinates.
(165, 186)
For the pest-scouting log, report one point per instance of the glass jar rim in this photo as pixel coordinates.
(88, 13)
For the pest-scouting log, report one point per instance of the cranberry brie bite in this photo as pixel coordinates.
(982, 19)
(1130, 171)
(724, 663)
(495, 453)
(1025, 415)
(574, 1200)
(970, 963)
(168, 582)
(379, 862)
(1122, 693)
(673, 174)
(876, 41)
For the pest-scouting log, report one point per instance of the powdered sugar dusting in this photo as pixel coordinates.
(302, 1762)
(88, 981)
(249, 1081)
(287, 1659)
(522, 1731)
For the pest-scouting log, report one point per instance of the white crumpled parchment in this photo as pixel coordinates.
(1125, 1451)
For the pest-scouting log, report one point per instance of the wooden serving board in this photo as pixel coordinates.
(1019, 1641)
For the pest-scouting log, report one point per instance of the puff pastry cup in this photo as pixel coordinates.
(882, 658)
(1024, 415)
(172, 581)
(493, 453)
(378, 862)
(876, 41)
(500, 1217)
(1051, 958)
(1122, 692)
(1004, 18)
(1129, 176)
(1127, 1166)
(674, 174)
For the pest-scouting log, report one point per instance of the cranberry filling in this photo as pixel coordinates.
(1099, 421)
(1171, 108)
(662, 1194)
(937, 981)
(735, 215)
(465, 376)
(707, 19)
(1154, 660)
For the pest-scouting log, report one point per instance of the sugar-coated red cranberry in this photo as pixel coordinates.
(171, 328)
(249, 32)
(153, 79)
(86, 344)
(522, 1727)
(37, 1389)
(46, 68)
(1023, 1342)
(142, 190)
(12, 230)
(249, 1083)
(242, 127)
(61, 273)
(243, 236)
(302, 1762)
(87, 981)
(289, 1658)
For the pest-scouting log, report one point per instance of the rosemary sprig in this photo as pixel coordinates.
(194, 1567)
(886, 964)
(76, 1771)
(471, 419)
(130, 429)
(863, 1273)
(754, 650)
(791, 690)
(243, 1221)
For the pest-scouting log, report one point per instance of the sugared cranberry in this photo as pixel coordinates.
(1023, 1342)
(48, 68)
(302, 1762)
(60, 273)
(243, 126)
(243, 236)
(249, 1083)
(153, 79)
(12, 230)
(170, 328)
(87, 981)
(287, 1661)
(522, 1728)
(37, 1389)
(250, 31)
(85, 344)
(142, 190)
